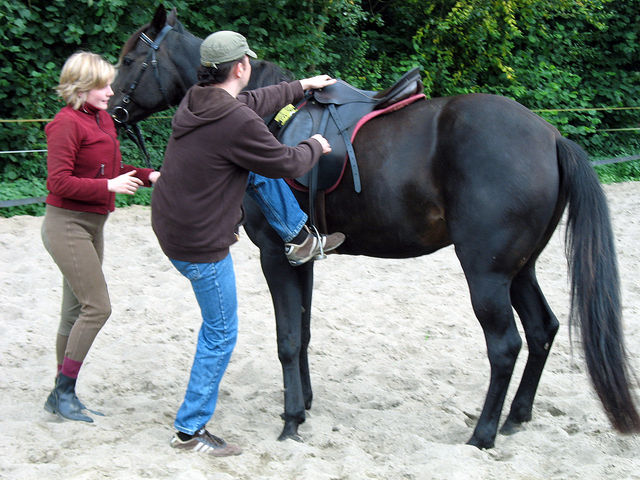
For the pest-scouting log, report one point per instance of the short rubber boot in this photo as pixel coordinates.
(64, 402)
(50, 404)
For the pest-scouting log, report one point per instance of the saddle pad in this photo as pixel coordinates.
(391, 108)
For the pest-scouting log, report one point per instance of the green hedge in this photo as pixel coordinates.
(567, 59)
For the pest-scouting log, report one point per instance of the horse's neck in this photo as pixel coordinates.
(186, 58)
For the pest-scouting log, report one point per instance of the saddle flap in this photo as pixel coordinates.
(305, 123)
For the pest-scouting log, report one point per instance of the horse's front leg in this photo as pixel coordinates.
(306, 284)
(292, 305)
(290, 289)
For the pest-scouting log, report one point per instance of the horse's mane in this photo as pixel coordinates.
(267, 73)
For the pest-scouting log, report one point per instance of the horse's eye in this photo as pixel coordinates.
(127, 61)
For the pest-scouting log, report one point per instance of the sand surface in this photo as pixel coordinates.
(398, 365)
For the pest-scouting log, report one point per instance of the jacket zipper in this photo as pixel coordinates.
(102, 165)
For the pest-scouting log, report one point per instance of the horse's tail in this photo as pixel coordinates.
(595, 286)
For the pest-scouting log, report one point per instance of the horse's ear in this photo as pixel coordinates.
(173, 17)
(159, 18)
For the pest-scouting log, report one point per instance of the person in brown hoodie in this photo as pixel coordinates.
(218, 139)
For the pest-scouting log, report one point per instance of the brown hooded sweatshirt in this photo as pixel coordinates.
(216, 140)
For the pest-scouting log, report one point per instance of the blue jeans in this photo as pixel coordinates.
(214, 285)
(278, 205)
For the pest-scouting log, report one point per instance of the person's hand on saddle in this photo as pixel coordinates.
(316, 82)
(326, 147)
(125, 183)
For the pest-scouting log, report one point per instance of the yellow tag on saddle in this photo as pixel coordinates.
(285, 114)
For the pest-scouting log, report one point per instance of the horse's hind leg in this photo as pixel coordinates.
(492, 306)
(540, 327)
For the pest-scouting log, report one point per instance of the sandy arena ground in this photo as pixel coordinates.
(398, 364)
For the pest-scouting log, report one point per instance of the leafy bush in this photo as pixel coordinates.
(572, 61)
(23, 188)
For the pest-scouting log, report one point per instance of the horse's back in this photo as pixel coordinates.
(494, 132)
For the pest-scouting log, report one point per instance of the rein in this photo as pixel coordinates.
(120, 113)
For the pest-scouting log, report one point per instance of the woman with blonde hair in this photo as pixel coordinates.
(85, 171)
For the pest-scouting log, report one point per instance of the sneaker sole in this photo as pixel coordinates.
(205, 450)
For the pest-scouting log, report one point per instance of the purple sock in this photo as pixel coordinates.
(70, 368)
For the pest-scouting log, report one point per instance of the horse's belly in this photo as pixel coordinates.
(388, 226)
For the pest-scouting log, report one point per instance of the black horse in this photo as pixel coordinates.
(479, 172)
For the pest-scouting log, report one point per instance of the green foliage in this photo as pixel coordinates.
(141, 197)
(39, 36)
(22, 188)
(573, 62)
(620, 172)
(559, 54)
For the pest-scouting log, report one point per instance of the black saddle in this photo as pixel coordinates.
(333, 112)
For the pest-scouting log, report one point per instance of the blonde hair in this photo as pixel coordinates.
(81, 73)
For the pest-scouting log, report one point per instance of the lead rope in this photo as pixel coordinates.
(135, 134)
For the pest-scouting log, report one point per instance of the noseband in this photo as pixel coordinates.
(120, 113)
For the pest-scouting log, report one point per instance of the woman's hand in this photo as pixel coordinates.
(125, 183)
(153, 177)
(317, 82)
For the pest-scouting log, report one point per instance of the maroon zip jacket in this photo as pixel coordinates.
(83, 153)
(216, 141)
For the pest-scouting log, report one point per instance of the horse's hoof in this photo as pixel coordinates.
(296, 437)
(290, 431)
(510, 427)
(290, 434)
(481, 444)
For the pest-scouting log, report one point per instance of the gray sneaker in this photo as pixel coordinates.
(205, 442)
(312, 247)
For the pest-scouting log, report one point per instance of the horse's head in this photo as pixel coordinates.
(159, 63)
(156, 67)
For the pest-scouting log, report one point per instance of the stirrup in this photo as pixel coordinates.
(316, 233)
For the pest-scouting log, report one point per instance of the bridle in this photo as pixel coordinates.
(120, 113)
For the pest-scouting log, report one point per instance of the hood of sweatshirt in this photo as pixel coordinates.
(200, 106)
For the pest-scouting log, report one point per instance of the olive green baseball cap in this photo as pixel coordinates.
(223, 46)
